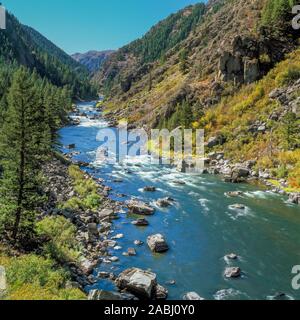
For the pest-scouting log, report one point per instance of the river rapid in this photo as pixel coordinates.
(200, 227)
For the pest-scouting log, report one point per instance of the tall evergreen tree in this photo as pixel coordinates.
(23, 145)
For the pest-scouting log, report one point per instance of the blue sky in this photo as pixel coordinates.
(82, 25)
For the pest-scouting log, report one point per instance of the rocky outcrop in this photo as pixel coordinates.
(141, 283)
(157, 243)
(244, 63)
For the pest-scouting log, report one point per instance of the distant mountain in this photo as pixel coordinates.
(92, 60)
(22, 45)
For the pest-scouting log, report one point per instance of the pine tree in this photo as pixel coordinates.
(23, 147)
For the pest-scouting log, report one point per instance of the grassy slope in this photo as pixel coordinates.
(233, 116)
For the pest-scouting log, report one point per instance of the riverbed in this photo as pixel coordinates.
(200, 227)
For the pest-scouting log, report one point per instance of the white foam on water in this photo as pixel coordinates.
(203, 203)
(286, 296)
(229, 294)
(239, 213)
(257, 194)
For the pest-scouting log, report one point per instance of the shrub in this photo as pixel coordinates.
(31, 277)
(62, 245)
(87, 190)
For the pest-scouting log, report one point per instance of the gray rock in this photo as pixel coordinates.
(149, 189)
(294, 198)
(234, 193)
(110, 296)
(3, 284)
(138, 242)
(141, 223)
(138, 282)
(87, 266)
(161, 293)
(107, 214)
(138, 207)
(163, 203)
(234, 272)
(157, 243)
(192, 296)
(231, 256)
(131, 252)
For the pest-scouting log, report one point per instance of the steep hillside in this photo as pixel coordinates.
(92, 60)
(224, 46)
(209, 79)
(25, 46)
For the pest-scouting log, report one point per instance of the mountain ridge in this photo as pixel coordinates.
(92, 59)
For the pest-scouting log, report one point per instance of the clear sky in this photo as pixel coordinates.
(83, 25)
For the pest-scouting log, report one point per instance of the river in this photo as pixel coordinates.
(200, 227)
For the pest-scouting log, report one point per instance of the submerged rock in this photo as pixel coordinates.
(231, 256)
(237, 207)
(164, 203)
(192, 296)
(157, 243)
(234, 272)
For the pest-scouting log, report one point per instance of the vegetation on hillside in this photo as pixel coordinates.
(25, 46)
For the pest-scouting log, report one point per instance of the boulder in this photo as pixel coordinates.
(234, 193)
(138, 242)
(149, 189)
(138, 282)
(141, 223)
(138, 207)
(87, 266)
(71, 146)
(163, 203)
(107, 214)
(192, 296)
(2, 281)
(234, 272)
(294, 198)
(157, 243)
(109, 296)
(231, 256)
(161, 293)
(93, 230)
(131, 252)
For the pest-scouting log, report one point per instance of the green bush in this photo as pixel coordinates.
(86, 189)
(31, 277)
(62, 245)
(287, 77)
